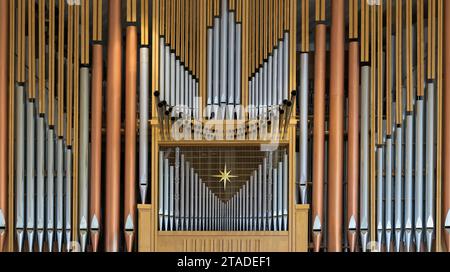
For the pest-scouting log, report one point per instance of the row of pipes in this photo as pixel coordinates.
(186, 203)
(395, 159)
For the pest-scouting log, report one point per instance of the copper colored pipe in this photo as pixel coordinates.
(96, 144)
(335, 163)
(4, 39)
(130, 135)
(446, 116)
(113, 112)
(353, 144)
(319, 132)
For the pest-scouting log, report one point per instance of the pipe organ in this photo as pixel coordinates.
(224, 125)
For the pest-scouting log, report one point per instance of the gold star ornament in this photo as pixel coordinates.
(225, 177)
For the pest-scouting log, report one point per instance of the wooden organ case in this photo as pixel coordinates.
(224, 86)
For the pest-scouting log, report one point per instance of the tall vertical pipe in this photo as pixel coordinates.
(59, 198)
(390, 42)
(143, 124)
(430, 130)
(4, 36)
(353, 145)
(130, 136)
(409, 129)
(399, 129)
(335, 163)
(304, 127)
(446, 135)
(419, 167)
(20, 169)
(84, 157)
(96, 145)
(113, 107)
(319, 134)
(30, 174)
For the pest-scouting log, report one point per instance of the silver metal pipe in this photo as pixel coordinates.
(303, 127)
(271, 80)
(172, 83)
(167, 80)
(203, 206)
(223, 51)
(188, 182)
(364, 165)
(171, 197)
(380, 191)
(237, 77)
(209, 81)
(256, 206)
(278, 73)
(251, 96)
(286, 67)
(40, 184)
(83, 185)
(216, 62)
(59, 193)
(144, 116)
(166, 194)
(196, 202)
(20, 169)
(388, 195)
(257, 92)
(182, 102)
(231, 59)
(251, 203)
(265, 88)
(430, 165)
(265, 225)
(408, 181)
(186, 93)
(144, 59)
(285, 191)
(177, 188)
(280, 195)
(68, 199)
(260, 197)
(270, 194)
(182, 193)
(246, 207)
(418, 199)
(192, 194)
(50, 203)
(261, 93)
(274, 199)
(161, 191)
(177, 82)
(30, 174)
(398, 189)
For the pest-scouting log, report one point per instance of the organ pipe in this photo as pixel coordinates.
(238, 61)
(335, 204)
(353, 128)
(4, 221)
(319, 126)
(95, 208)
(113, 110)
